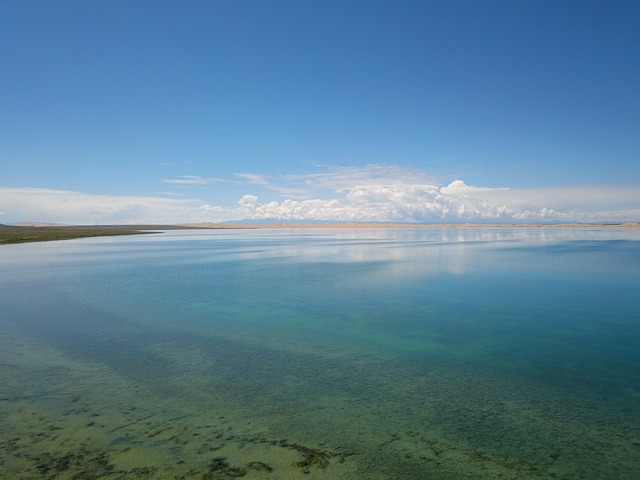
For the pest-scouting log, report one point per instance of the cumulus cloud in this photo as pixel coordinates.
(404, 200)
(327, 210)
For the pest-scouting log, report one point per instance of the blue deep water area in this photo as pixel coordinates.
(405, 353)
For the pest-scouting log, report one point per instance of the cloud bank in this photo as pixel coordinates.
(380, 193)
(372, 193)
(456, 202)
(61, 206)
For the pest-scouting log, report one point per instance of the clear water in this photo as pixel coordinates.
(313, 353)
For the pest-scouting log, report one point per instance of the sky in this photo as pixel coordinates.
(155, 111)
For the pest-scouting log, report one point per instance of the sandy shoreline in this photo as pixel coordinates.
(401, 225)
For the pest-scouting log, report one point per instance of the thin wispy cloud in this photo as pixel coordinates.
(254, 179)
(342, 178)
(171, 194)
(192, 180)
(275, 184)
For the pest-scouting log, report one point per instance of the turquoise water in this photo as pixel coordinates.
(317, 353)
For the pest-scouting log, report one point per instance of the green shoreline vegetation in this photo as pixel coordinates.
(23, 234)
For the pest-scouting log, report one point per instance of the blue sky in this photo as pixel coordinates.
(427, 111)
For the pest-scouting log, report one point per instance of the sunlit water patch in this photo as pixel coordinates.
(337, 354)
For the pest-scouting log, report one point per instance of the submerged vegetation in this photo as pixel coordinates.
(22, 234)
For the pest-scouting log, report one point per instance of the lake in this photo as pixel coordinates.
(427, 353)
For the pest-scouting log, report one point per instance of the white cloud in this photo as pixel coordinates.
(366, 196)
(62, 206)
(372, 193)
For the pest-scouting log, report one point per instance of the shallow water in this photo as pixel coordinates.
(313, 353)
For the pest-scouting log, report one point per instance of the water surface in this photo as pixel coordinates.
(317, 353)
